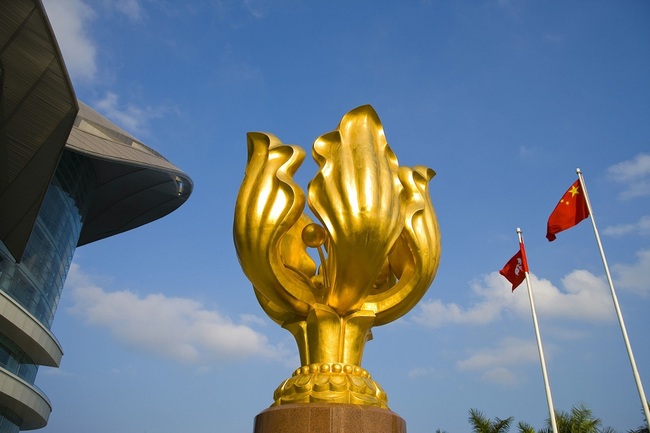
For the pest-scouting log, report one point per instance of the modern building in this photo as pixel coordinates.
(68, 177)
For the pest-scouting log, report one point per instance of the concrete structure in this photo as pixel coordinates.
(68, 177)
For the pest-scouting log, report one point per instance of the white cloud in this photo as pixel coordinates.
(500, 375)
(555, 38)
(527, 152)
(251, 319)
(130, 117)
(583, 297)
(641, 227)
(635, 277)
(130, 8)
(586, 297)
(630, 170)
(496, 363)
(177, 328)
(71, 20)
(635, 174)
(256, 8)
(419, 372)
(509, 351)
(640, 188)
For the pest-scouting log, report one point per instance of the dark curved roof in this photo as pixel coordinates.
(37, 109)
(135, 184)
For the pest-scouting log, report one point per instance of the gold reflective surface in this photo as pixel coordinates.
(375, 247)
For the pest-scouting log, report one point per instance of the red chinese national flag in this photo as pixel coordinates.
(571, 209)
(515, 269)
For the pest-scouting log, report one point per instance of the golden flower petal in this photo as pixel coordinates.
(269, 204)
(416, 255)
(355, 194)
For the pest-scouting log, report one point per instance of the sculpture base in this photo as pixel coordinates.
(330, 383)
(328, 418)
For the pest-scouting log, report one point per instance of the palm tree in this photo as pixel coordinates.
(525, 428)
(482, 424)
(580, 420)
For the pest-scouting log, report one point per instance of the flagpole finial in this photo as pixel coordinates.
(578, 171)
(518, 230)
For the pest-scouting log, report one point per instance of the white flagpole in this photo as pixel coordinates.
(547, 387)
(637, 378)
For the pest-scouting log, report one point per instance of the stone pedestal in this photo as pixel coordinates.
(328, 418)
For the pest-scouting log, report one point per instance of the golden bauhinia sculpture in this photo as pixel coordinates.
(376, 238)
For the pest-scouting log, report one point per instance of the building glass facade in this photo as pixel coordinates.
(36, 281)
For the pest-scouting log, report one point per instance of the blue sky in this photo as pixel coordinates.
(503, 99)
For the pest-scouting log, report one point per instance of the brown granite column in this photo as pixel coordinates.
(328, 418)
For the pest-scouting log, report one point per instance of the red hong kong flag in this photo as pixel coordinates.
(515, 269)
(571, 209)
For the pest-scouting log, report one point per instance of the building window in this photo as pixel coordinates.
(36, 282)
